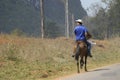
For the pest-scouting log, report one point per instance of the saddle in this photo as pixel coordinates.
(82, 44)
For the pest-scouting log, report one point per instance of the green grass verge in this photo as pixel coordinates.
(45, 59)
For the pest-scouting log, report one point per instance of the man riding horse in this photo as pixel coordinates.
(82, 34)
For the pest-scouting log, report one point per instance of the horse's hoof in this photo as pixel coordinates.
(86, 70)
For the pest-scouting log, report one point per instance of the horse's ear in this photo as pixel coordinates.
(88, 35)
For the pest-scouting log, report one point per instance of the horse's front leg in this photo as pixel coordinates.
(86, 63)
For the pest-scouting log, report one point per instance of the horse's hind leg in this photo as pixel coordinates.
(78, 66)
(81, 63)
(77, 59)
(86, 63)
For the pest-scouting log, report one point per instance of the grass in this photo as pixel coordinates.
(24, 58)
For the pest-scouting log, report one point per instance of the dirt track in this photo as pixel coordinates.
(105, 73)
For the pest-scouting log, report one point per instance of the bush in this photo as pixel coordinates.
(17, 32)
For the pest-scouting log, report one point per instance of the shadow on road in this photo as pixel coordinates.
(99, 70)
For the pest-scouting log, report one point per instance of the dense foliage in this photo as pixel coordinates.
(106, 22)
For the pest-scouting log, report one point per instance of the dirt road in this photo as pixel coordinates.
(105, 73)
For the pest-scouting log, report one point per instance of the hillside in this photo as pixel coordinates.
(24, 15)
(24, 58)
(16, 14)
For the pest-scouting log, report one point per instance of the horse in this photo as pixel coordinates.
(81, 55)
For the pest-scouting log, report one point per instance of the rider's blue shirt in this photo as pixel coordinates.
(79, 32)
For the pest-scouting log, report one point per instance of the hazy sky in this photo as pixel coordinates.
(87, 3)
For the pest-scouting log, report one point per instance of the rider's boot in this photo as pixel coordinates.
(89, 54)
(73, 55)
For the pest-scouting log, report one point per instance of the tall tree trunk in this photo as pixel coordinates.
(66, 19)
(42, 17)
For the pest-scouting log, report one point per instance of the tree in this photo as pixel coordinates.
(52, 30)
(42, 17)
(67, 18)
(105, 23)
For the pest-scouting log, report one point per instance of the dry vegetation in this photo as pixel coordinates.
(44, 59)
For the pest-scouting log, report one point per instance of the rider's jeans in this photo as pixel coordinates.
(89, 47)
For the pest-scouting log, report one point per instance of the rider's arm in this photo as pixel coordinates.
(88, 35)
(75, 31)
